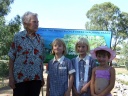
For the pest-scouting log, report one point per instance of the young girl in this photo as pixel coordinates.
(83, 65)
(103, 76)
(59, 70)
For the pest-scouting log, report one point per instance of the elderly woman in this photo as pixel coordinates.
(26, 59)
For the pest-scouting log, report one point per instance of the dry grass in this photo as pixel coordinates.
(121, 71)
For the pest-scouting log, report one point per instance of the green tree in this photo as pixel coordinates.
(7, 33)
(124, 55)
(107, 16)
(7, 30)
(5, 7)
(3, 71)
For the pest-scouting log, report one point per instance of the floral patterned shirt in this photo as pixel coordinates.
(28, 57)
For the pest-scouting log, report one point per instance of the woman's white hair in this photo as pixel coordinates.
(26, 18)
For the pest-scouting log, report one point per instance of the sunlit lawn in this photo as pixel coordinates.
(121, 71)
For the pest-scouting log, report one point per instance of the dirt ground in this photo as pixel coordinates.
(121, 71)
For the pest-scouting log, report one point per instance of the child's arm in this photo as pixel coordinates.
(48, 86)
(111, 85)
(92, 85)
(74, 91)
(85, 87)
(71, 79)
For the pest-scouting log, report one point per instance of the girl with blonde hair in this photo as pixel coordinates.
(83, 65)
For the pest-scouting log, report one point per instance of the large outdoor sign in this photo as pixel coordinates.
(70, 36)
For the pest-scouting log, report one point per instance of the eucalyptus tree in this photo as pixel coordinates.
(5, 7)
(107, 16)
(7, 30)
(124, 54)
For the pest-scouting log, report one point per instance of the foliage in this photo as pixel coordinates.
(124, 55)
(107, 16)
(5, 7)
(7, 31)
(7, 34)
(4, 69)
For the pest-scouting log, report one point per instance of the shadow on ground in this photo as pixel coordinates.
(5, 89)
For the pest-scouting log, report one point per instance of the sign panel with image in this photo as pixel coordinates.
(70, 36)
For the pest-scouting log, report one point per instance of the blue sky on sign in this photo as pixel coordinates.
(69, 14)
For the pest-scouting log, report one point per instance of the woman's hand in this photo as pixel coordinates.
(43, 82)
(47, 93)
(12, 82)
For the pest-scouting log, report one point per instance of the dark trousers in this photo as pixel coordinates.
(29, 88)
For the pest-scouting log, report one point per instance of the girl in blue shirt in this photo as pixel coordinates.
(60, 71)
(83, 65)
